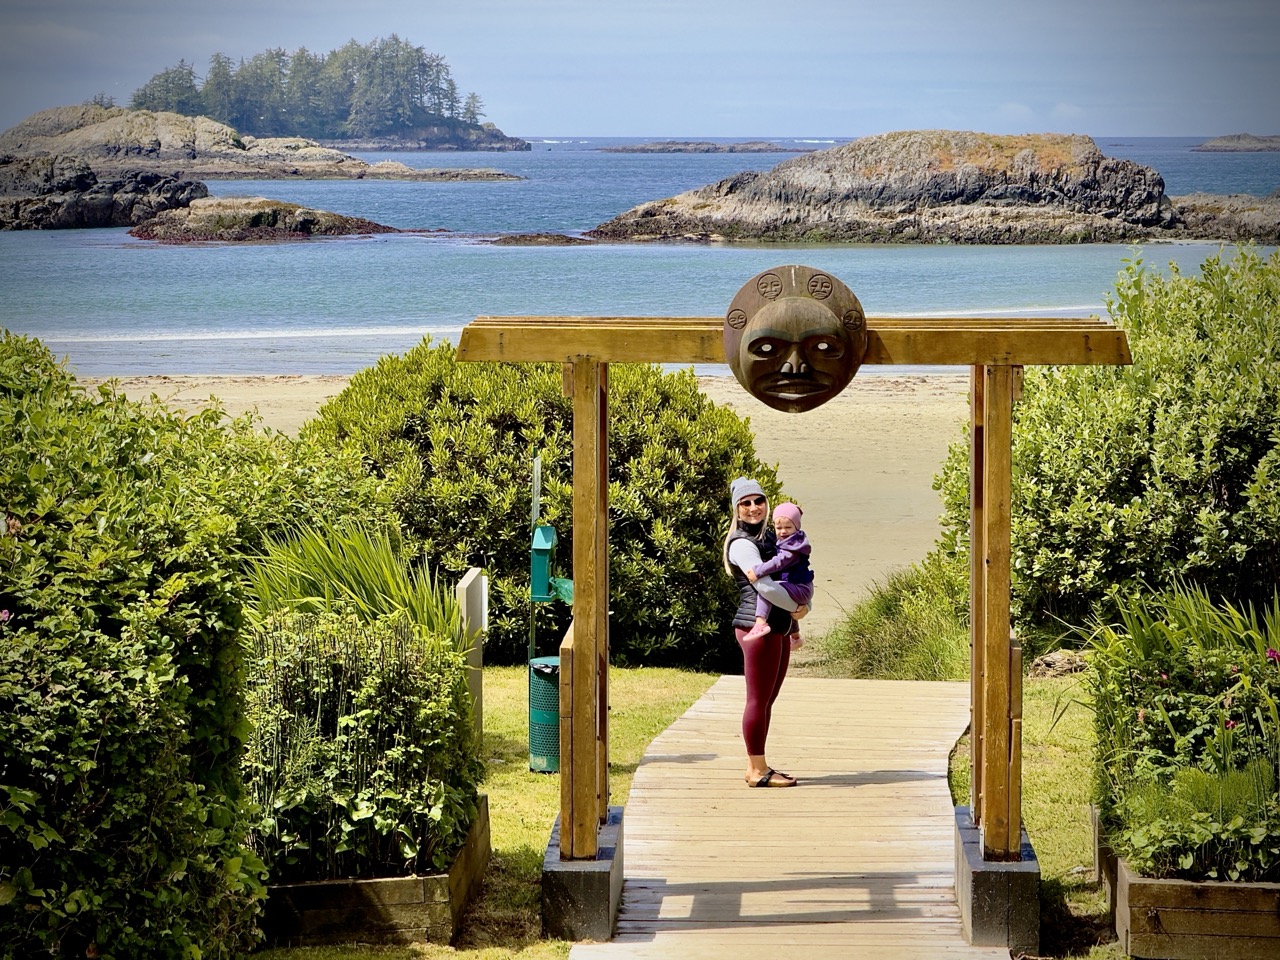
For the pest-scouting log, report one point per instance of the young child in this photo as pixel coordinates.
(791, 566)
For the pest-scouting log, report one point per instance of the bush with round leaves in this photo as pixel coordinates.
(1160, 473)
(455, 443)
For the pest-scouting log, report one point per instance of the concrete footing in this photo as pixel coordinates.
(999, 902)
(580, 898)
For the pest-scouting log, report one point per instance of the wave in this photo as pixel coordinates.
(307, 334)
(1073, 311)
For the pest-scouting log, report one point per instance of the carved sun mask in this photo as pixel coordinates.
(794, 337)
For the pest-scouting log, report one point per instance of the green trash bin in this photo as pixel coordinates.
(544, 715)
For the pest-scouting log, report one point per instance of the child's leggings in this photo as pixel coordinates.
(801, 593)
(764, 664)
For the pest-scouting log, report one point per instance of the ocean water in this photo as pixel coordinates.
(113, 305)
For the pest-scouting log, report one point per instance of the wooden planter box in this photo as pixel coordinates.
(1187, 919)
(393, 910)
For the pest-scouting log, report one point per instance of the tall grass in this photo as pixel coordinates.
(912, 627)
(356, 570)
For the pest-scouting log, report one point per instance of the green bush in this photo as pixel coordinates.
(1186, 696)
(1165, 471)
(361, 755)
(455, 443)
(914, 626)
(122, 822)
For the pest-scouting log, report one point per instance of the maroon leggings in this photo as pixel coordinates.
(764, 664)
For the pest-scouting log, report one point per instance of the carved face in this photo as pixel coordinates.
(794, 337)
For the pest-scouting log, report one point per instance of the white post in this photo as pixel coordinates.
(473, 597)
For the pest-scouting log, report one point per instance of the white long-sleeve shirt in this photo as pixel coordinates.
(745, 554)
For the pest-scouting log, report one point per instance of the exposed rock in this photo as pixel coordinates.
(702, 146)
(113, 140)
(538, 240)
(47, 193)
(921, 186)
(1058, 663)
(1239, 143)
(447, 135)
(1235, 217)
(250, 218)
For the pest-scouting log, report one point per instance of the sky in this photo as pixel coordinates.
(716, 68)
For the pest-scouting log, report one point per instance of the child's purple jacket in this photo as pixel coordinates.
(791, 563)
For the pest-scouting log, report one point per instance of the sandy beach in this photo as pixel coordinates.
(861, 466)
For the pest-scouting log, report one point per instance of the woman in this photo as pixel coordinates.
(749, 542)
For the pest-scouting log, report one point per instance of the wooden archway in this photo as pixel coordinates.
(995, 350)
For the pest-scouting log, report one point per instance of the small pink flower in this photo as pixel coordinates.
(1164, 676)
(1273, 654)
(1231, 724)
(1234, 668)
(4, 616)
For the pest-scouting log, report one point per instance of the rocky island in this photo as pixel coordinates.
(704, 146)
(942, 186)
(1238, 143)
(250, 218)
(112, 141)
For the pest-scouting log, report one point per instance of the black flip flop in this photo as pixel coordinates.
(767, 779)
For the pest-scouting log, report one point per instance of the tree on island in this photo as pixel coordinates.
(386, 88)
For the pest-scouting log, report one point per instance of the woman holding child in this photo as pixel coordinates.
(767, 653)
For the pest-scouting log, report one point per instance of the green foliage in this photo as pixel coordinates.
(387, 87)
(1186, 699)
(122, 823)
(912, 627)
(455, 444)
(361, 756)
(1165, 471)
(355, 569)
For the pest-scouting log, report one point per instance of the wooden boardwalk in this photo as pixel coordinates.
(855, 862)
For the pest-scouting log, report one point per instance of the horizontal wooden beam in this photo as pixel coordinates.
(891, 340)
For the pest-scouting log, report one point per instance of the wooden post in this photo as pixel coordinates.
(579, 686)
(977, 599)
(602, 600)
(472, 592)
(999, 836)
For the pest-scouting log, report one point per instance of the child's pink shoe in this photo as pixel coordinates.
(758, 631)
(797, 641)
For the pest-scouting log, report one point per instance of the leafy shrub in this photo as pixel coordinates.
(1165, 471)
(455, 443)
(912, 627)
(353, 568)
(361, 754)
(122, 823)
(1186, 697)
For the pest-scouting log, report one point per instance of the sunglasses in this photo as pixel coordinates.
(752, 502)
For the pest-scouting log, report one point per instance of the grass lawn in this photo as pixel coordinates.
(505, 921)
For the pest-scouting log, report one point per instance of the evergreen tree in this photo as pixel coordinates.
(173, 89)
(219, 90)
(473, 108)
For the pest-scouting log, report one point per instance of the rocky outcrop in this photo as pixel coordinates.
(921, 186)
(703, 146)
(949, 187)
(250, 218)
(446, 135)
(113, 140)
(1238, 143)
(1235, 217)
(46, 193)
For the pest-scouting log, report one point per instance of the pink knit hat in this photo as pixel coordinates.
(790, 511)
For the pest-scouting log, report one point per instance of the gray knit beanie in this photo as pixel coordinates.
(743, 487)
